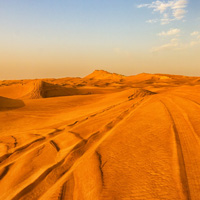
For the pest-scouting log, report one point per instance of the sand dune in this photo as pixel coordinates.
(101, 74)
(7, 103)
(37, 89)
(32, 90)
(136, 138)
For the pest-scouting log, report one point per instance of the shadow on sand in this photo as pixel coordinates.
(9, 104)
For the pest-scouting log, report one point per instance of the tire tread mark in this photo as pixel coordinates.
(183, 172)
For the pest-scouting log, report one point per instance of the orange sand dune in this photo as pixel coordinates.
(102, 137)
(6, 103)
(40, 89)
(101, 74)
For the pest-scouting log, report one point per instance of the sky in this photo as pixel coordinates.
(65, 38)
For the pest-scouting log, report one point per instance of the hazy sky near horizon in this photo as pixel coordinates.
(61, 38)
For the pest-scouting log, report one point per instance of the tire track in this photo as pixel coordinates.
(67, 189)
(78, 122)
(63, 192)
(20, 149)
(9, 158)
(190, 147)
(187, 117)
(100, 167)
(4, 172)
(183, 172)
(64, 168)
(191, 100)
(95, 142)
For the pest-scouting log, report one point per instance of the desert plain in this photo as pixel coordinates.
(102, 137)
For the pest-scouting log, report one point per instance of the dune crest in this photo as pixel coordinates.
(101, 74)
(37, 90)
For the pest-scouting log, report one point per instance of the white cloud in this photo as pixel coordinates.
(193, 43)
(196, 38)
(179, 13)
(170, 10)
(170, 32)
(152, 21)
(173, 44)
(195, 33)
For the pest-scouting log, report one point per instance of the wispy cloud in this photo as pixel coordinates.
(176, 44)
(195, 33)
(171, 32)
(194, 43)
(152, 21)
(170, 10)
(173, 44)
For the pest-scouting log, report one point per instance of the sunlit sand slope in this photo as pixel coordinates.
(135, 144)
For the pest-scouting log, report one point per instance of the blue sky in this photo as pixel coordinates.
(59, 38)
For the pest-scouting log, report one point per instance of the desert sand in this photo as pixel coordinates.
(102, 137)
